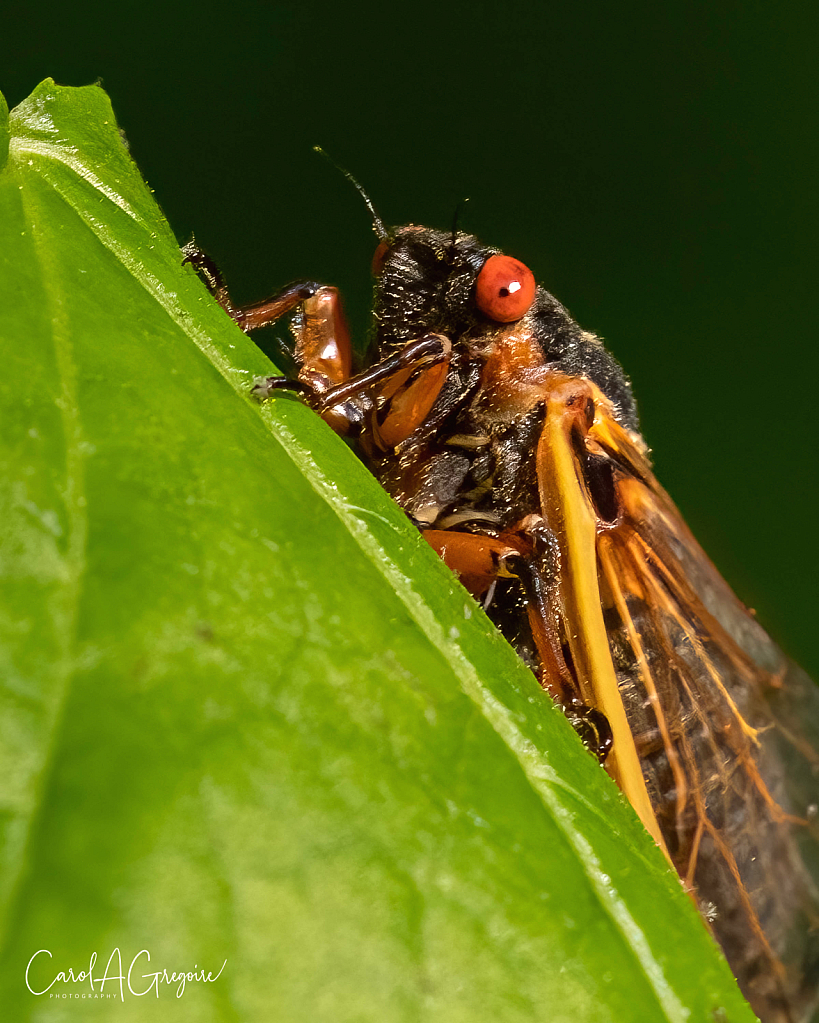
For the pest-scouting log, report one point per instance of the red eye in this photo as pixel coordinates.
(505, 289)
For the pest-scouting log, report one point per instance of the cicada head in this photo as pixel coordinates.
(424, 283)
(434, 282)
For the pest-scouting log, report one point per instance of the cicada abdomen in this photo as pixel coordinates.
(510, 437)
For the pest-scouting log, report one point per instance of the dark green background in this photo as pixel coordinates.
(656, 166)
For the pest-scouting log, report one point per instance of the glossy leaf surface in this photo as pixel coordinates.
(246, 713)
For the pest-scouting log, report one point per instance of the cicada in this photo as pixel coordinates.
(510, 437)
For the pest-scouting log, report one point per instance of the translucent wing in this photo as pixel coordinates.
(724, 727)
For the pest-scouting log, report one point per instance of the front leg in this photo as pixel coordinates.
(410, 379)
(322, 353)
(250, 317)
(420, 366)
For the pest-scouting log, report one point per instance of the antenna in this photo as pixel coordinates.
(457, 216)
(378, 224)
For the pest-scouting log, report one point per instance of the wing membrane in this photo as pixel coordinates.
(718, 719)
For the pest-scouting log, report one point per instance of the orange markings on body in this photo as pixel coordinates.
(514, 374)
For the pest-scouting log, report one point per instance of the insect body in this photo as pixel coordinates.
(510, 437)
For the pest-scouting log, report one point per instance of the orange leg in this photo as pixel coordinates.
(349, 402)
(479, 561)
(249, 317)
(411, 379)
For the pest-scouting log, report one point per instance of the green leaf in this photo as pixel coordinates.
(247, 715)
